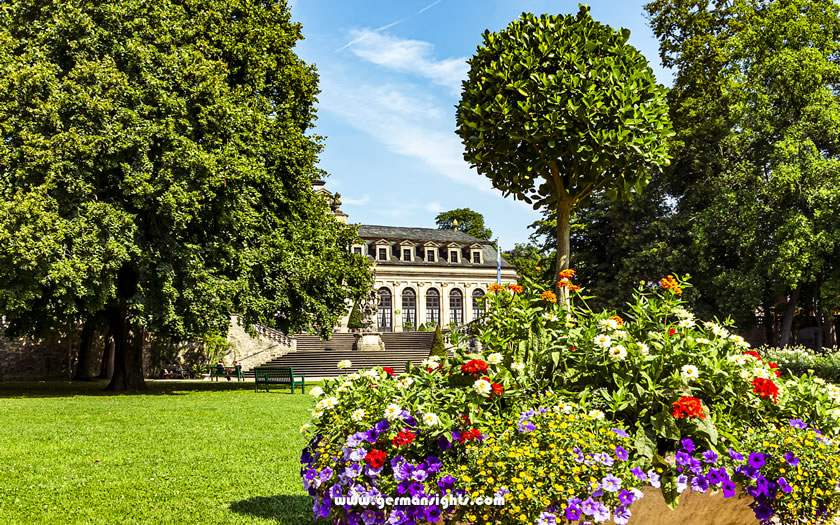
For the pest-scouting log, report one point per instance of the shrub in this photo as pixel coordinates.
(354, 322)
(438, 348)
(569, 413)
(799, 360)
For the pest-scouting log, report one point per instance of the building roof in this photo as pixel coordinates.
(369, 231)
(420, 235)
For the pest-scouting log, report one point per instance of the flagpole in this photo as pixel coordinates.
(498, 264)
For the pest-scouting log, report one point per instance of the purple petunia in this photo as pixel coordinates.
(444, 443)
(625, 497)
(763, 512)
(620, 433)
(757, 460)
(728, 488)
(700, 484)
(397, 517)
(611, 483)
(588, 506)
(654, 478)
(605, 459)
(547, 518)
(717, 476)
(683, 458)
(446, 483)
(621, 516)
(688, 445)
(784, 485)
(621, 453)
(526, 427)
(682, 483)
(736, 456)
(573, 512)
(639, 473)
(791, 459)
(797, 423)
(710, 457)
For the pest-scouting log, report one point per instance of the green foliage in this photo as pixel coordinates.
(355, 320)
(756, 167)
(438, 348)
(468, 221)
(556, 107)
(799, 361)
(167, 147)
(531, 264)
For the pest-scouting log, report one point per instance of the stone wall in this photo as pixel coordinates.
(252, 351)
(29, 358)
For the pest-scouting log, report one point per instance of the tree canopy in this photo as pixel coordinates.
(156, 165)
(558, 107)
(464, 220)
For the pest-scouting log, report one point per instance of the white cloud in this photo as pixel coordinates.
(408, 56)
(433, 207)
(355, 202)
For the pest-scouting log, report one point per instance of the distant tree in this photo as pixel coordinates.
(464, 220)
(558, 107)
(156, 167)
(532, 264)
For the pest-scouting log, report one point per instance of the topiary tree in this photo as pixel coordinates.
(556, 107)
(355, 320)
(438, 347)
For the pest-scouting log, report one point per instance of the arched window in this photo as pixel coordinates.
(383, 314)
(432, 307)
(409, 309)
(456, 307)
(478, 303)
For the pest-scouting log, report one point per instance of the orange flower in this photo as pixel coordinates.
(566, 274)
(669, 283)
(618, 320)
(574, 287)
(515, 288)
(564, 283)
(548, 296)
(495, 288)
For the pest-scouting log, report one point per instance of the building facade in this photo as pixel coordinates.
(426, 276)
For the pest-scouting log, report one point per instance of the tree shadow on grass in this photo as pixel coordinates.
(56, 388)
(285, 509)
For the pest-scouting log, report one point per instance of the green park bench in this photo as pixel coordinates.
(217, 371)
(278, 375)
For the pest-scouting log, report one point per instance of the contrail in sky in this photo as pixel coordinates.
(388, 26)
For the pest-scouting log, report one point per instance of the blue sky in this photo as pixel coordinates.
(390, 76)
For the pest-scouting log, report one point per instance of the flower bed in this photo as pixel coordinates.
(572, 415)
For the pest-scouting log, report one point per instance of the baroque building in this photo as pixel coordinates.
(424, 276)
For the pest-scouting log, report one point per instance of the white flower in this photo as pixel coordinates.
(327, 403)
(495, 359)
(689, 373)
(371, 374)
(316, 392)
(431, 420)
(739, 359)
(603, 340)
(703, 341)
(566, 408)
(596, 414)
(618, 353)
(746, 374)
(354, 376)
(343, 388)
(643, 348)
(316, 414)
(619, 334)
(612, 324)
(482, 387)
(305, 428)
(517, 366)
(761, 372)
(682, 313)
(719, 331)
(345, 363)
(429, 363)
(686, 323)
(818, 380)
(358, 415)
(404, 383)
(833, 392)
(392, 411)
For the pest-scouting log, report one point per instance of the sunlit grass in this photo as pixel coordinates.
(182, 453)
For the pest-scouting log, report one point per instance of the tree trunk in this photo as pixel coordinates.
(769, 318)
(106, 371)
(830, 330)
(83, 368)
(128, 353)
(787, 320)
(564, 212)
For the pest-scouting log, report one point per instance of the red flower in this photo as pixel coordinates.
(388, 370)
(466, 419)
(470, 435)
(498, 389)
(475, 367)
(773, 365)
(766, 388)
(515, 288)
(403, 438)
(753, 353)
(375, 458)
(671, 332)
(688, 407)
(573, 349)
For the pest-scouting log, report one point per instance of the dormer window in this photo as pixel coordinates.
(453, 256)
(476, 257)
(357, 250)
(406, 254)
(430, 255)
(383, 254)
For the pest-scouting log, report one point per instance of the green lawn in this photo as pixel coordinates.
(182, 453)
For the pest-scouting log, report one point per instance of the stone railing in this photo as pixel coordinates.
(253, 351)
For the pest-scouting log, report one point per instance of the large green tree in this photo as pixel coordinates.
(464, 220)
(558, 107)
(755, 106)
(156, 164)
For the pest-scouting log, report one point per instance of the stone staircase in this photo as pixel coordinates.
(317, 358)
